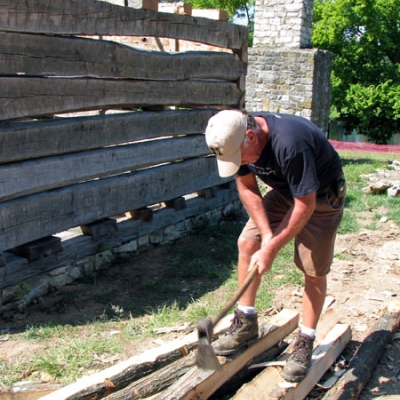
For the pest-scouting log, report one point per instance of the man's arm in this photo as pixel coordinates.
(250, 196)
(293, 222)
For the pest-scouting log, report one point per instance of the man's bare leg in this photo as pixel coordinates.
(313, 300)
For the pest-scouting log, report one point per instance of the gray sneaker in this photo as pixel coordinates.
(242, 332)
(300, 360)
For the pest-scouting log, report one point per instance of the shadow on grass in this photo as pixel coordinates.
(140, 284)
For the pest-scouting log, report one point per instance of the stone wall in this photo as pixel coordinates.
(293, 81)
(283, 23)
(284, 73)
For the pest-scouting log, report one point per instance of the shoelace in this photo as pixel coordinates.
(236, 323)
(301, 350)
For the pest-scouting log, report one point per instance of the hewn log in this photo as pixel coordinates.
(77, 246)
(362, 364)
(200, 384)
(72, 56)
(34, 97)
(22, 219)
(88, 17)
(155, 382)
(248, 373)
(34, 176)
(267, 380)
(324, 355)
(22, 141)
(121, 374)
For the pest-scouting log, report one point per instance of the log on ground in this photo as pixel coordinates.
(351, 383)
(155, 382)
(122, 374)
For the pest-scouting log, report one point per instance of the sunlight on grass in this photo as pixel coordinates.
(64, 359)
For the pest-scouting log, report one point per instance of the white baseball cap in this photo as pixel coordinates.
(225, 133)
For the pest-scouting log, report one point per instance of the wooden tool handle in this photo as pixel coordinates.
(249, 278)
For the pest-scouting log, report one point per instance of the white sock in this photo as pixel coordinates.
(247, 309)
(308, 331)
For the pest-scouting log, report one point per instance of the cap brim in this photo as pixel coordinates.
(229, 166)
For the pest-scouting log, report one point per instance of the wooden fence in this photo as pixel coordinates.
(93, 128)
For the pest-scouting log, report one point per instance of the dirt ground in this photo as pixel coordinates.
(365, 277)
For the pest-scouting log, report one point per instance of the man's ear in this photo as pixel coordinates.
(251, 136)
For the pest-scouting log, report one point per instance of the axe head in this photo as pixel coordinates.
(205, 357)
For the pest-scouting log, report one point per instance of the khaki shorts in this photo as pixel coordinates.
(314, 245)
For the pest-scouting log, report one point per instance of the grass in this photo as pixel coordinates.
(193, 281)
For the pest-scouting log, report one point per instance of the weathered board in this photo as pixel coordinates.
(62, 168)
(78, 247)
(27, 177)
(89, 17)
(73, 56)
(32, 217)
(33, 97)
(26, 140)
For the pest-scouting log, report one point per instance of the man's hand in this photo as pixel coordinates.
(263, 258)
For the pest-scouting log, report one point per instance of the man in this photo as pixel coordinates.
(304, 201)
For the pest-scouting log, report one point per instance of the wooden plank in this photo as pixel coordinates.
(25, 140)
(100, 229)
(131, 369)
(267, 380)
(32, 217)
(34, 176)
(145, 214)
(17, 269)
(32, 97)
(88, 17)
(362, 364)
(39, 248)
(72, 56)
(177, 204)
(200, 384)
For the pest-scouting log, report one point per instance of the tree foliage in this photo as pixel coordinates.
(364, 36)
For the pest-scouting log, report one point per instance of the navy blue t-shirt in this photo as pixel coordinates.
(297, 160)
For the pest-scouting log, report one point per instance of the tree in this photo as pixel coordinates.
(364, 37)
